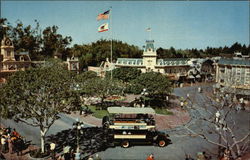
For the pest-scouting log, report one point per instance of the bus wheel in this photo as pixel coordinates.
(125, 144)
(161, 143)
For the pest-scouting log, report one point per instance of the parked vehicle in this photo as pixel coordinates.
(129, 126)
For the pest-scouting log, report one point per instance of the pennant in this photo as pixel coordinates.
(104, 27)
(104, 15)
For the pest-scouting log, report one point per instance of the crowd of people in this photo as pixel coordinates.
(11, 141)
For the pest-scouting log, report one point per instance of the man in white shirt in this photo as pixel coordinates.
(52, 149)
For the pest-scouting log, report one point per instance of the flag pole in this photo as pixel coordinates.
(111, 47)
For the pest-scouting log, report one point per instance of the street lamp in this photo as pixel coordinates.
(144, 93)
(78, 126)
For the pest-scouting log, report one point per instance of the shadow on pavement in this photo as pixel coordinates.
(91, 140)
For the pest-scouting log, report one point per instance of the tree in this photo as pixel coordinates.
(82, 77)
(37, 96)
(220, 118)
(125, 74)
(54, 42)
(96, 52)
(27, 38)
(102, 87)
(155, 83)
(4, 27)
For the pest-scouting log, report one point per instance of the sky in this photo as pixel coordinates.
(181, 24)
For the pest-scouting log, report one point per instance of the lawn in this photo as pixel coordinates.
(98, 113)
(163, 111)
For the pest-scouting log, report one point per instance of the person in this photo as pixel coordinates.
(8, 130)
(200, 156)
(97, 157)
(15, 133)
(188, 157)
(90, 157)
(10, 144)
(72, 154)
(60, 158)
(150, 157)
(3, 144)
(66, 152)
(52, 149)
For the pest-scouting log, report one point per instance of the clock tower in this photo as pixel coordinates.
(7, 49)
(149, 56)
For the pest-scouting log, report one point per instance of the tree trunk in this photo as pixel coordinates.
(43, 133)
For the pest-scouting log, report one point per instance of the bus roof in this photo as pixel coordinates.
(131, 110)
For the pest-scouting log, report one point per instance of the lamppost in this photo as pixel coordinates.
(78, 126)
(144, 93)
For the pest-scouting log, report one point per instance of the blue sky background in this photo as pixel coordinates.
(181, 24)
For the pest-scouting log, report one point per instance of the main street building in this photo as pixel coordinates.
(11, 62)
(233, 72)
(178, 69)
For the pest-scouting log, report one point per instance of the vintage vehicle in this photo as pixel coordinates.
(127, 126)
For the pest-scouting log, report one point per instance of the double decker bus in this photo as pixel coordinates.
(129, 126)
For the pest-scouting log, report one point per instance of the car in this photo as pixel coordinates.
(128, 126)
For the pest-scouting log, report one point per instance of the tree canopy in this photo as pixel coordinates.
(125, 74)
(154, 83)
(37, 96)
(40, 43)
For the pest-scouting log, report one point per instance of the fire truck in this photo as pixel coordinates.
(128, 126)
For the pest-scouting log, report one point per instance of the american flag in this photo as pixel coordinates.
(104, 15)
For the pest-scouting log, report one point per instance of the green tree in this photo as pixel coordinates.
(102, 87)
(125, 74)
(85, 76)
(154, 83)
(54, 42)
(37, 96)
(27, 38)
(96, 52)
(4, 27)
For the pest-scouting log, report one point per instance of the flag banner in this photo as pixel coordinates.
(104, 27)
(148, 29)
(104, 15)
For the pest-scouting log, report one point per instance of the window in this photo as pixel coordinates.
(8, 54)
(222, 70)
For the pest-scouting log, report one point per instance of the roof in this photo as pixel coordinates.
(173, 62)
(22, 53)
(129, 61)
(131, 110)
(239, 62)
(150, 45)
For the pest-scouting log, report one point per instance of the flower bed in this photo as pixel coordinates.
(115, 98)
